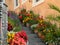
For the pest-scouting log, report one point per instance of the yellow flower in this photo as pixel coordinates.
(44, 30)
(8, 34)
(13, 35)
(41, 21)
(23, 21)
(8, 40)
(48, 30)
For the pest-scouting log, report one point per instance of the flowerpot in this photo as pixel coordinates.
(39, 34)
(42, 37)
(35, 31)
(27, 24)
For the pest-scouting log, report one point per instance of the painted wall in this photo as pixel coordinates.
(42, 9)
(10, 4)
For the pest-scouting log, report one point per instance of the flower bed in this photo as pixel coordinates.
(45, 30)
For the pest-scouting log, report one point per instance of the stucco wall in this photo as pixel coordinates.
(10, 4)
(42, 9)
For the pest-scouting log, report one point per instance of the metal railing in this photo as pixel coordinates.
(3, 22)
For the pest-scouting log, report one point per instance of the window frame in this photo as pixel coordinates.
(15, 4)
(23, 1)
(34, 3)
(3, 1)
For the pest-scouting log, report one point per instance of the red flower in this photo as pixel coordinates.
(22, 34)
(20, 38)
(28, 14)
(18, 41)
(9, 27)
(41, 17)
(20, 17)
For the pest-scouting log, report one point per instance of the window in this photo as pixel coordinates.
(0, 0)
(23, 1)
(3, 1)
(16, 4)
(36, 2)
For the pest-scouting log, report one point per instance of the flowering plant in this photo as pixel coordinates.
(10, 27)
(10, 36)
(18, 41)
(23, 14)
(19, 38)
(22, 34)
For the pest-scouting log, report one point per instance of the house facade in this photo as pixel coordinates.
(38, 6)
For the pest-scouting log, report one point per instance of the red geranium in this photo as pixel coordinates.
(22, 34)
(9, 27)
(28, 14)
(18, 41)
(20, 17)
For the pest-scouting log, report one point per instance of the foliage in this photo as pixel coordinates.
(54, 7)
(15, 24)
(50, 17)
(57, 32)
(48, 29)
(32, 22)
(49, 37)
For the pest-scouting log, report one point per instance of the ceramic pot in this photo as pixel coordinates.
(35, 31)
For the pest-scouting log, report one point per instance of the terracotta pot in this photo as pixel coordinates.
(42, 37)
(50, 44)
(39, 34)
(27, 25)
(35, 31)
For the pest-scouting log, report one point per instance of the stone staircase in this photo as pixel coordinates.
(32, 38)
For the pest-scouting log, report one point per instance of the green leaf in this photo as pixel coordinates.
(54, 7)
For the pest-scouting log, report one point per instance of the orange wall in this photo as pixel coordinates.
(10, 4)
(42, 9)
